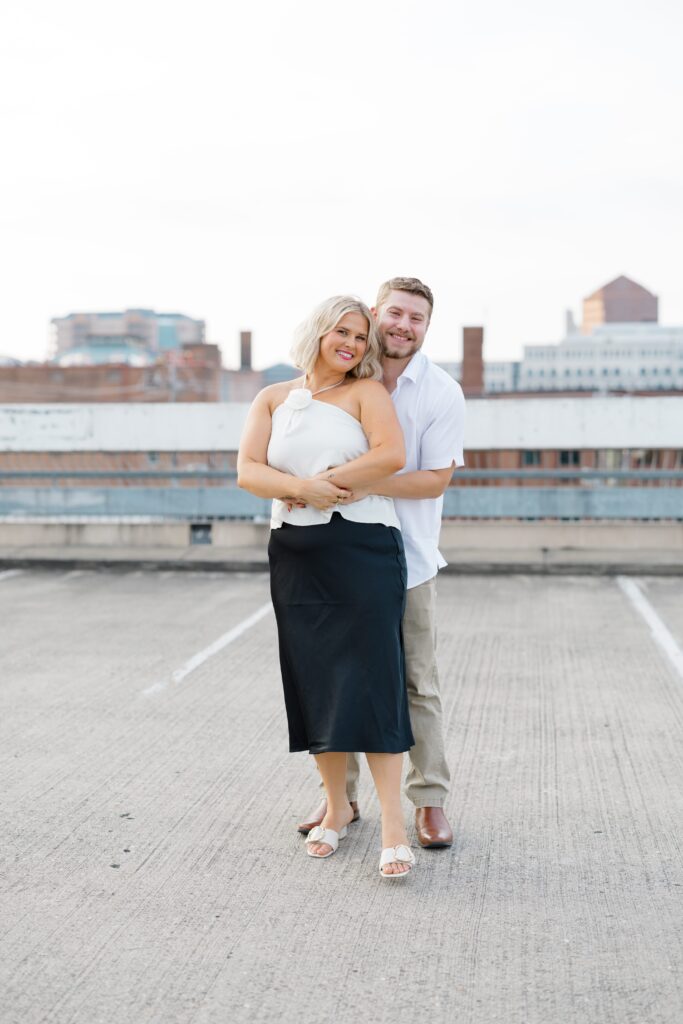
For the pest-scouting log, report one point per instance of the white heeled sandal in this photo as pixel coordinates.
(396, 855)
(324, 835)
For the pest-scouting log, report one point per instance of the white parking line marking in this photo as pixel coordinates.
(208, 652)
(7, 574)
(660, 634)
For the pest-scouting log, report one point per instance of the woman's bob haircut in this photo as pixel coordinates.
(323, 319)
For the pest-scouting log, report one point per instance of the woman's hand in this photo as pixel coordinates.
(321, 494)
(350, 496)
(291, 502)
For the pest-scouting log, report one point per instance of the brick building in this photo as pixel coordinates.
(191, 375)
(621, 301)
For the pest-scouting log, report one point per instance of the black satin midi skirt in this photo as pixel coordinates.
(338, 591)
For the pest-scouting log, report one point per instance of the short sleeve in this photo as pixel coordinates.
(442, 442)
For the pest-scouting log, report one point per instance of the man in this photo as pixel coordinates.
(431, 409)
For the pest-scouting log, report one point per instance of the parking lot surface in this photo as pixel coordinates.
(151, 870)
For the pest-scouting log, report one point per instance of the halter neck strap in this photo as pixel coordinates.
(328, 388)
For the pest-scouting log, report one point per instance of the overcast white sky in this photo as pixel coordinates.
(241, 162)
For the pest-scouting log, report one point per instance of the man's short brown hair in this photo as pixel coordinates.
(405, 284)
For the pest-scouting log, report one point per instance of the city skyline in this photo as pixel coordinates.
(240, 167)
(621, 303)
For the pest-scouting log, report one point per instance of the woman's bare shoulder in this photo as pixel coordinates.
(275, 394)
(370, 390)
(368, 384)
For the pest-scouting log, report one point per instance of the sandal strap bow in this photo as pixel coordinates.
(396, 855)
(323, 835)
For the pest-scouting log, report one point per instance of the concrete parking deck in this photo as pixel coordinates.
(150, 867)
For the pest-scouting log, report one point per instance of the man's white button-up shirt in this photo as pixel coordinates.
(431, 410)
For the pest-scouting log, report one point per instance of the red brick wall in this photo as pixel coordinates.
(190, 381)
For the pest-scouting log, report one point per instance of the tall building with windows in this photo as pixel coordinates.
(137, 337)
(621, 357)
(619, 347)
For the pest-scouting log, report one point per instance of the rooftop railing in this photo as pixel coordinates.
(204, 494)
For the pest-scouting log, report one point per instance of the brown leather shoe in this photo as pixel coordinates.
(320, 812)
(432, 827)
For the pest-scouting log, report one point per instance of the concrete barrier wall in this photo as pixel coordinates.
(454, 535)
(527, 423)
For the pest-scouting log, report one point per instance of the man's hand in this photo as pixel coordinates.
(356, 495)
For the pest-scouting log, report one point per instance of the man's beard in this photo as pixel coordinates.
(389, 353)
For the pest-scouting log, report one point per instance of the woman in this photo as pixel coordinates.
(337, 566)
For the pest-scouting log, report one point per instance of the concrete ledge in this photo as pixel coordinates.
(585, 535)
(469, 547)
(466, 535)
(203, 558)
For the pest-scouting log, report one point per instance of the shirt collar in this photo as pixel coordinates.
(414, 368)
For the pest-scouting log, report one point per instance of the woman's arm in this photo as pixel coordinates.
(256, 476)
(387, 450)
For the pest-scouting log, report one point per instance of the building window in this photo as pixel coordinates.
(570, 458)
(531, 458)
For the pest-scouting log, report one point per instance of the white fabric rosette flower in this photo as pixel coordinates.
(298, 399)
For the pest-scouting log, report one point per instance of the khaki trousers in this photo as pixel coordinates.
(428, 776)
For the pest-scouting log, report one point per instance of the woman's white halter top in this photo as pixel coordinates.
(310, 436)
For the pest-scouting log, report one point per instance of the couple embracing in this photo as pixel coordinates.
(356, 455)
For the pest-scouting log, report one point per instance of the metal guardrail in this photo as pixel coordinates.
(595, 494)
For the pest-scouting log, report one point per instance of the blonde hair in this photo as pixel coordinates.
(324, 318)
(413, 285)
